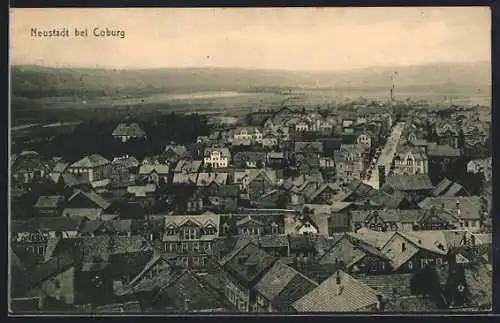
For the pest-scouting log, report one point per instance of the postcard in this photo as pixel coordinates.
(214, 161)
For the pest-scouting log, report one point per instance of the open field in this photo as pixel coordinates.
(50, 95)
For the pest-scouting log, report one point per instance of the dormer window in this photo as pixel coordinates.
(210, 230)
(171, 230)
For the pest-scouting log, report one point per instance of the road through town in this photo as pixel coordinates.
(387, 154)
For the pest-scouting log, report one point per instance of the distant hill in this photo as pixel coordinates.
(37, 81)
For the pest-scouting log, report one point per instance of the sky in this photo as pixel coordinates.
(268, 38)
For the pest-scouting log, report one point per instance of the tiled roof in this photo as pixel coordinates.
(91, 161)
(132, 130)
(395, 215)
(189, 166)
(158, 168)
(49, 269)
(410, 182)
(275, 280)
(205, 179)
(442, 151)
(470, 206)
(374, 238)
(52, 201)
(96, 250)
(413, 303)
(300, 147)
(386, 200)
(441, 187)
(141, 190)
(92, 196)
(332, 186)
(128, 307)
(433, 240)
(479, 281)
(128, 162)
(390, 286)
(178, 150)
(454, 189)
(128, 264)
(89, 213)
(296, 288)
(275, 155)
(187, 286)
(248, 263)
(181, 178)
(355, 296)
(254, 156)
(273, 241)
(60, 167)
(47, 224)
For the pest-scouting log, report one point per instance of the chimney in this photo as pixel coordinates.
(338, 284)
(379, 302)
(381, 175)
(186, 304)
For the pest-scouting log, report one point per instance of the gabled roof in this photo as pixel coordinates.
(51, 268)
(412, 303)
(93, 197)
(52, 201)
(224, 151)
(158, 168)
(188, 166)
(349, 250)
(89, 213)
(51, 224)
(128, 162)
(178, 150)
(471, 207)
(442, 151)
(188, 286)
(95, 251)
(354, 297)
(332, 186)
(91, 161)
(390, 286)
(410, 182)
(441, 187)
(305, 146)
(127, 307)
(129, 129)
(205, 179)
(252, 156)
(282, 285)
(141, 190)
(248, 263)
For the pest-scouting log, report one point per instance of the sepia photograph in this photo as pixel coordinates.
(229, 161)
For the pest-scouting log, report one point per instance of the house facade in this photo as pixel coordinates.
(191, 238)
(93, 169)
(217, 157)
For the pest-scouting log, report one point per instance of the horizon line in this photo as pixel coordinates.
(132, 69)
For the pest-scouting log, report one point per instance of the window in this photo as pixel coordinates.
(274, 229)
(40, 250)
(439, 261)
(410, 265)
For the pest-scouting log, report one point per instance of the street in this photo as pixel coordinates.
(386, 155)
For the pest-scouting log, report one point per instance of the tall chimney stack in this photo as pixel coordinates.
(339, 284)
(381, 175)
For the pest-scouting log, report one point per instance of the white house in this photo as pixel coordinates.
(364, 140)
(410, 163)
(248, 133)
(302, 126)
(217, 157)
